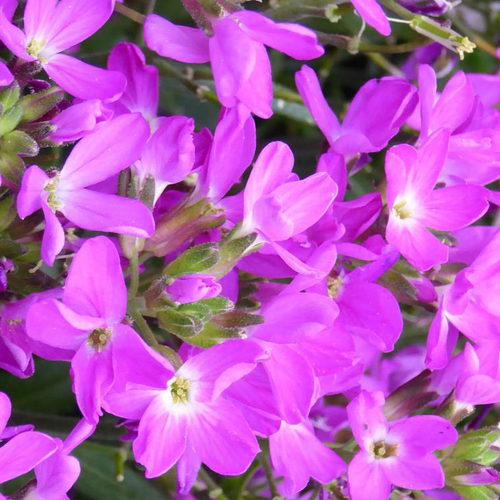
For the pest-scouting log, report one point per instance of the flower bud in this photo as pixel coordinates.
(429, 7)
(193, 287)
(35, 106)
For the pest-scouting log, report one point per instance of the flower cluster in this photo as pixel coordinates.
(221, 314)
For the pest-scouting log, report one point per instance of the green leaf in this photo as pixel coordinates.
(194, 260)
(98, 477)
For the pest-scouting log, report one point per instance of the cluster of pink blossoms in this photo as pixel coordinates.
(240, 328)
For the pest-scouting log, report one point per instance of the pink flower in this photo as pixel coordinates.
(398, 453)
(415, 206)
(100, 155)
(88, 322)
(236, 49)
(53, 26)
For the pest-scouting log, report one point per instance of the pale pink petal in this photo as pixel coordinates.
(106, 212)
(38, 16)
(95, 285)
(84, 80)
(189, 45)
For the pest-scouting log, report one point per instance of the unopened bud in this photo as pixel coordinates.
(19, 143)
(35, 106)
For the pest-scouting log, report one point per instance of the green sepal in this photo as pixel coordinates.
(10, 120)
(20, 143)
(9, 97)
(34, 106)
(11, 167)
(480, 492)
(179, 324)
(238, 319)
(194, 260)
(213, 334)
(8, 212)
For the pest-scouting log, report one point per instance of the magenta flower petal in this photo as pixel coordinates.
(377, 318)
(407, 472)
(454, 207)
(427, 90)
(189, 45)
(297, 454)
(106, 212)
(215, 369)
(76, 121)
(53, 323)
(72, 22)
(53, 236)
(162, 437)
(426, 431)
(441, 341)
(84, 80)
(232, 151)
(6, 76)
(141, 94)
(92, 378)
(293, 40)
(13, 38)
(417, 244)
(23, 452)
(38, 15)
(367, 480)
(222, 439)
(293, 394)
(271, 169)
(95, 286)
(8, 7)
(5, 411)
(29, 199)
(310, 90)
(257, 91)
(114, 146)
(233, 57)
(373, 14)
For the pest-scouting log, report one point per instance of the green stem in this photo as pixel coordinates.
(386, 65)
(130, 13)
(395, 7)
(214, 490)
(395, 49)
(134, 276)
(245, 479)
(275, 494)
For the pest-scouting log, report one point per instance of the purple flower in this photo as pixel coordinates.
(414, 205)
(375, 115)
(184, 417)
(241, 66)
(23, 451)
(398, 453)
(193, 287)
(100, 155)
(88, 322)
(297, 454)
(52, 27)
